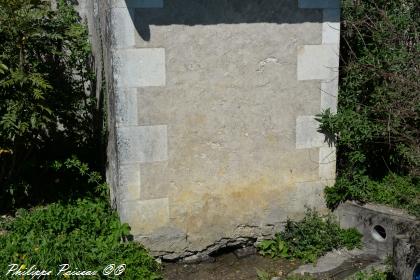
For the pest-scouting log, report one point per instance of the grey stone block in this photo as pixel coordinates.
(337, 264)
(406, 255)
(126, 107)
(317, 62)
(139, 67)
(245, 252)
(331, 26)
(327, 163)
(378, 224)
(139, 144)
(329, 95)
(200, 258)
(123, 30)
(307, 134)
(129, 182)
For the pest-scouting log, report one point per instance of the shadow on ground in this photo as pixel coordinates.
(229, 267)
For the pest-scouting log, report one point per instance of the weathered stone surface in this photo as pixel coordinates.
(124, 31)
(126, 107)
(317, 62)
(139, 67)
(406, 254)
(329, 95)
(338, 265)
(138, 144)
(331, 26)
(327, 163)
(307, 133)
(365, 218)
(145, 216)
(204, 98)
(130, 182)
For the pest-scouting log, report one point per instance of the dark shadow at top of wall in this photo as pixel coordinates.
(211, 12)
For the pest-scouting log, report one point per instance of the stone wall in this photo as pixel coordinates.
(211, 111)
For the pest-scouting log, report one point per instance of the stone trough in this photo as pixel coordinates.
(387, 233)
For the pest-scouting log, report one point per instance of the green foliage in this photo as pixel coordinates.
(393, 190)
(372, 275)
(77, 168)
(84, 233)
(377, 127)
(310, 238)
(44, 79)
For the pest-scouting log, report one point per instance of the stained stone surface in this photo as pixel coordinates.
(213, 141)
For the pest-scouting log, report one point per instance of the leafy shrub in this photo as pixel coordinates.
(45, 110)
(393, 190)
(310, 238)
(85, 234)
(377, 126)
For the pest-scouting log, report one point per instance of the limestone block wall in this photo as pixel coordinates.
(213, 139)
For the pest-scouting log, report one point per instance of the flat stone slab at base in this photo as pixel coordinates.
(337, 264)
(245, 252)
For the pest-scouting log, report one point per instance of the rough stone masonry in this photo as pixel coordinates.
(211, 105)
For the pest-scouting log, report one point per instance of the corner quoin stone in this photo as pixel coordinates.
(139, 144)
(307, 134)
(140, 67)
(317, 62)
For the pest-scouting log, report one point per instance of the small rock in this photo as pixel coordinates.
(245, 252)
(198, 259)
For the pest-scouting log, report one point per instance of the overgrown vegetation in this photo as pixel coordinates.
(46, 111)
(310, 238)
(373, 275)
(85, 233)
(47, 115)
(377, 126)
